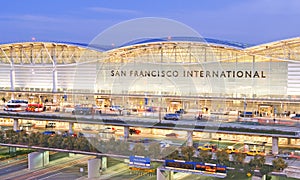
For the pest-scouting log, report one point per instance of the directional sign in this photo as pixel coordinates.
(139, 161)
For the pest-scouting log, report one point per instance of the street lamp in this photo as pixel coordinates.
(219, 142)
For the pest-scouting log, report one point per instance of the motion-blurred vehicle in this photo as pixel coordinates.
(181, 111)
(78, 110)
(134, 131)
(28, 124)
(116, 108)
(87, 128)
(172, 135)
(50, 125)
(172, 116)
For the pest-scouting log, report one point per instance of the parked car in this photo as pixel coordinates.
(82, 111)
(172, 116)
(50, 125)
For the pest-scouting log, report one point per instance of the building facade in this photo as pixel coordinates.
(172, 73)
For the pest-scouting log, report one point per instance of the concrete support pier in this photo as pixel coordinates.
(16, 124)
(189, 141)
(71, 127)
(38, 159)
(94, 166)
(126, 132)
(274, 145)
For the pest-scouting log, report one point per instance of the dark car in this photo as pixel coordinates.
(82, 111)
(172, 116)
(180, 111)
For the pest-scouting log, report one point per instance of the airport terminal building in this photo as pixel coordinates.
(171, 72)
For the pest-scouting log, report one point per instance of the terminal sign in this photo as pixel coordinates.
(189, 73)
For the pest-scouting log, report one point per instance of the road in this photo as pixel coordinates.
(54, 170)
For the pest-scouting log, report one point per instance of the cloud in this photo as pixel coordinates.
(28, 17)
(111, 10)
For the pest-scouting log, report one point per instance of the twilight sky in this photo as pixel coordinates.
(246, 21)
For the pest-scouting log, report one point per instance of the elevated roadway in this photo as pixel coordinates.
(214, 126)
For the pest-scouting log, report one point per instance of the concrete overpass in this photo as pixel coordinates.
(183, 125)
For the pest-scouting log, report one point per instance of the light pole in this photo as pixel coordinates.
(245, 106)
(219, 142)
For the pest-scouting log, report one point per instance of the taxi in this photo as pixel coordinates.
(255, 152)
(207, 147)
(231, 150)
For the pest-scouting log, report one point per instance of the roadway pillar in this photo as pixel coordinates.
(159, 175)
(189, 138)
(16, 124)
(274, 145)
(71, 127)
(126, 132)
(171, 175)
(37, 159)
(94, 168)
(289, 141)
(103, 163)
(12, 149)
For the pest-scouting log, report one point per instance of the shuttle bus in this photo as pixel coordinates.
(16, 105)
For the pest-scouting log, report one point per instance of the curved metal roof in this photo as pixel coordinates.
(188, 39)
(70, 52)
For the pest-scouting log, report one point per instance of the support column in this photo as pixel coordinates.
(171, 175)
(274, 145)
(16, 124)
(38, 159)
(159, 175)
(12, 150)
(289, 141)
(189, 141)
(71, 127)
(54, 80)
(126, 132)
(103, 163)
(54, 99)
(12, 79)
(94, 168)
